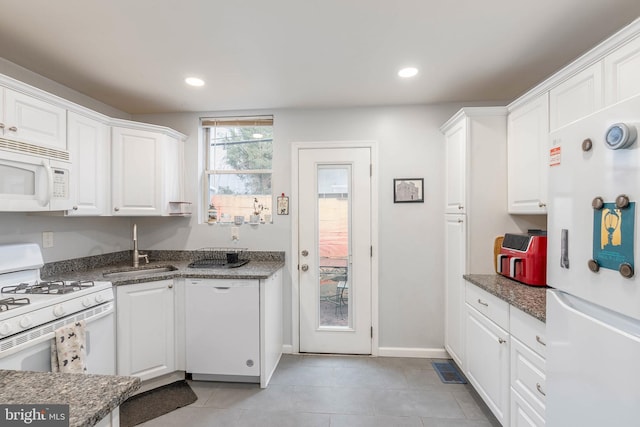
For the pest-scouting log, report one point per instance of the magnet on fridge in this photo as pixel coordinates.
(283, 205)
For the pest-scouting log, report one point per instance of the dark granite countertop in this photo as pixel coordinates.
(530, 299)
(90, 397)
(260, 266)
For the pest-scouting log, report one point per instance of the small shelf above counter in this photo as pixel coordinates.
(530, 299)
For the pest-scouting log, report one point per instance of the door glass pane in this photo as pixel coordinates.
(334, 245)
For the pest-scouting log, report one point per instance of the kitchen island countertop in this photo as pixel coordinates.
(90, 397)
(530, 299)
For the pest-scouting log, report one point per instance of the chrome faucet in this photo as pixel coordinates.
(136, 254)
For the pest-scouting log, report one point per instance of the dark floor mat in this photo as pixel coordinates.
(153, 403)
(448, 373)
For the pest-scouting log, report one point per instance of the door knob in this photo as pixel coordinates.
(304, 267)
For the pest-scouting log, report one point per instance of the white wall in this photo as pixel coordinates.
(411, 235)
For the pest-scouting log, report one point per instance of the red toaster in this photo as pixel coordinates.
(523, 257)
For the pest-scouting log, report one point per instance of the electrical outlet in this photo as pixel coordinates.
(235, 233)
(47, 239)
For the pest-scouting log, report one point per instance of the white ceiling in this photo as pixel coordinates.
(135, 54)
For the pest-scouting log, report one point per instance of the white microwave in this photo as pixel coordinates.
(33, 178)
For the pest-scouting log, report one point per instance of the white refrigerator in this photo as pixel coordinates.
(593, 312)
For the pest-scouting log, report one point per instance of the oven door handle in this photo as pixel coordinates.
(49, 173)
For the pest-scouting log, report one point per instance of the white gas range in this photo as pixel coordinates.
(31, 310)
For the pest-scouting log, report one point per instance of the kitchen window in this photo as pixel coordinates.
(239, 152)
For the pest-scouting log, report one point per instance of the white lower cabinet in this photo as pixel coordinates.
(487, 354)
(505, 358)
(528, 379)
(145, 329)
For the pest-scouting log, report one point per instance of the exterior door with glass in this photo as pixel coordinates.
(334, 260)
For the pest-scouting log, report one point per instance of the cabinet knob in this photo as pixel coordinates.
(13, 129)
(1, 125)
(541, 205)
(170, 285)
(460, 207)
(501, 341)
(75, 208)
(117, 209)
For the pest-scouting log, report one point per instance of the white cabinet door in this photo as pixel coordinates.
(527, 157)
(271, 326)
(90, 154)
(456, 151)
(455, 262)
(31, 120)
(577, 97)
(136, 172)
(145, 329)
(487, 354)
(621, 71)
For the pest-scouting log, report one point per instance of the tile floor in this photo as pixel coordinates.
(336, 391)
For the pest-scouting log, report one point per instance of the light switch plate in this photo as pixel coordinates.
(47, 239)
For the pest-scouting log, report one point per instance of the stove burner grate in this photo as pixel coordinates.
(9, 303)
(51, 287)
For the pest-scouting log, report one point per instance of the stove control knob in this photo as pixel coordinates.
(99, 298)
(59, 311)
(5, 329)
(86, 301)
(25, 322)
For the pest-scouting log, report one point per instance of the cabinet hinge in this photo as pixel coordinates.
(370, 169)
(371, 252)
(372, 332)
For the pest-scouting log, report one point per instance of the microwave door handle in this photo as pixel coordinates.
(49, 173)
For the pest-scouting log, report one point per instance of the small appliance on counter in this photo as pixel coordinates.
(523, 257)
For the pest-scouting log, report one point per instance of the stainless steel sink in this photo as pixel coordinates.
(128, 272)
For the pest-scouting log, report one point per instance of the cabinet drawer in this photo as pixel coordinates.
(522, 414)
(528, 375)
(491, 306)
(528, 330)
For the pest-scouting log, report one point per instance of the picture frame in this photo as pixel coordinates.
(408, 190)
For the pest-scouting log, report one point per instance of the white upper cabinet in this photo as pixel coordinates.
(146, 172)
(527, 152)
(456, 152)
(89, 147)
(31, 120)
(577, 97)
(622, 68)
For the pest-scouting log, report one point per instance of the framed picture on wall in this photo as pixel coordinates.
(408, 190)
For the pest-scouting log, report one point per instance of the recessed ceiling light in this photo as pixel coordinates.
(194, 81)
(408, 72)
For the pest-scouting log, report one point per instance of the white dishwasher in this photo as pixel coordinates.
(222, 319)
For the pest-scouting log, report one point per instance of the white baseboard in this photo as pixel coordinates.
(425, 353)
(287, 349)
